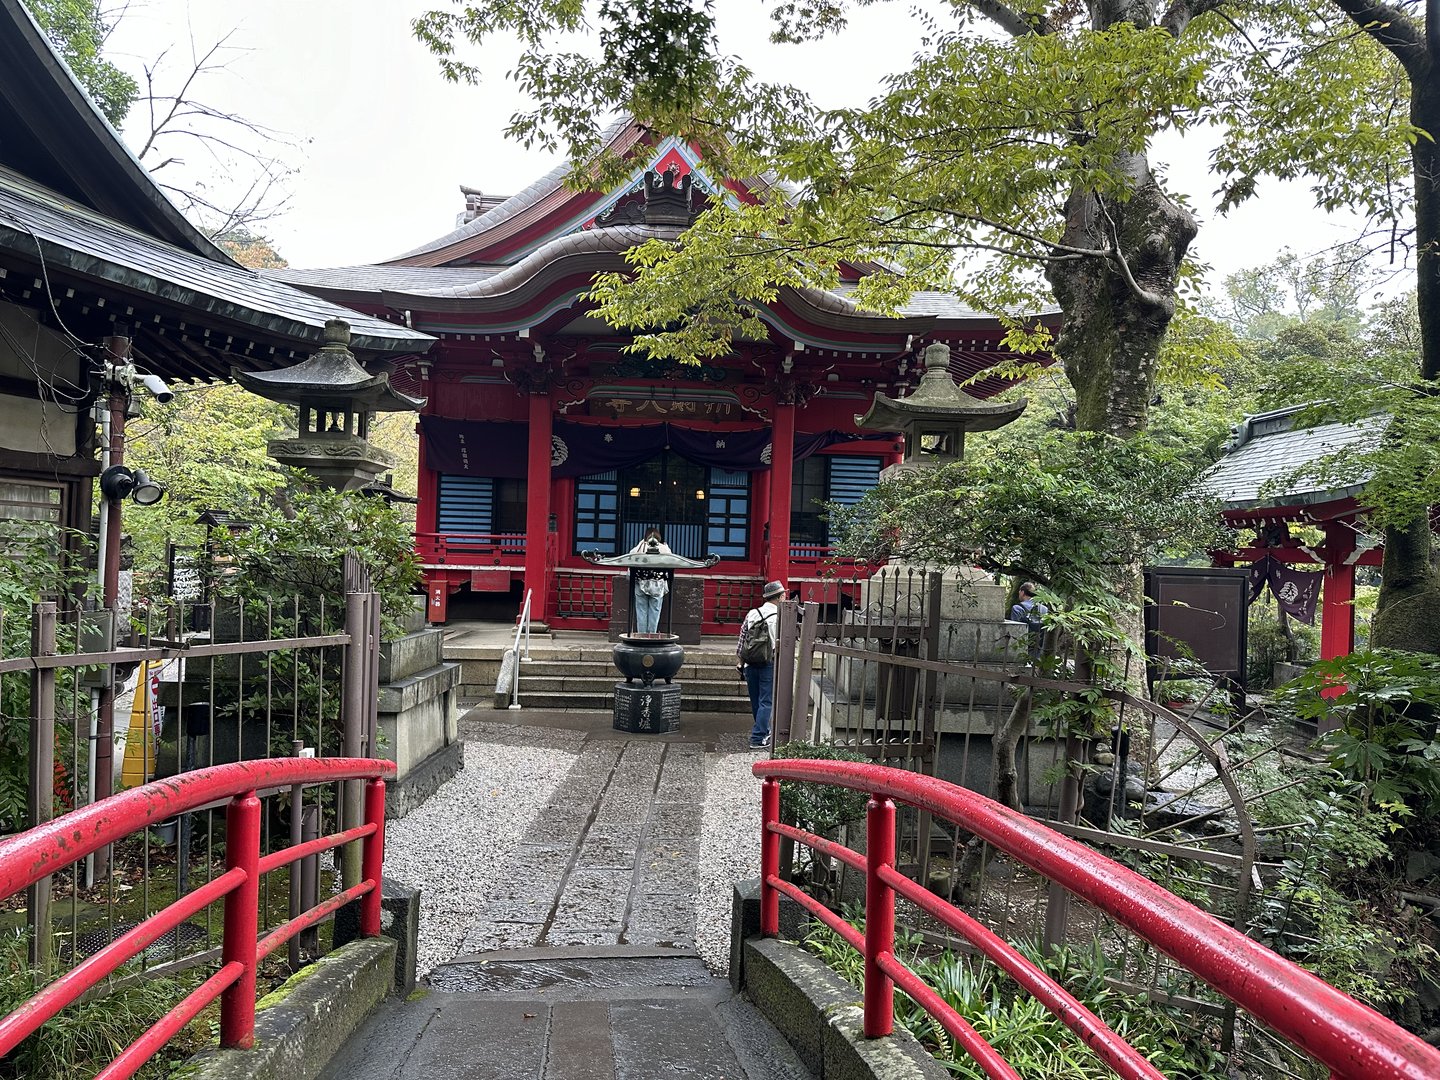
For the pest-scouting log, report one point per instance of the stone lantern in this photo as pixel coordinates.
(937, 415)
(334, 398)
(972, 609)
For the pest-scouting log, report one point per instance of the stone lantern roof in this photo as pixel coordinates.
(330, 379)
(936, 416)
(334, 398)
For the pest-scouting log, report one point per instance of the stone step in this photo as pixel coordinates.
(597, 670)
(603, 684)
(606, 702)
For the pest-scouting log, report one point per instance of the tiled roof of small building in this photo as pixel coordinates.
(383, 278)
(1268, 449)
(82, 240)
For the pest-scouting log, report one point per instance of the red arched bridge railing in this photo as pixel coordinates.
(1350, 1039)
(29, 856)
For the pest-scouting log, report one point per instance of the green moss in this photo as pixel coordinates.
(285, 989)
(420, 993)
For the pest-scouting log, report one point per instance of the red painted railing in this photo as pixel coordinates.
(469, 549)
(1352, 1040)
(29, 856)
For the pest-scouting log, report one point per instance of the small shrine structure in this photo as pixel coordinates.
(1263, 486)
(542, 437)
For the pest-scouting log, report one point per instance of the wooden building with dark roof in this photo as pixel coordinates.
(1272, 479)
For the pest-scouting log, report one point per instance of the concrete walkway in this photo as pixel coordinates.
(582, 966)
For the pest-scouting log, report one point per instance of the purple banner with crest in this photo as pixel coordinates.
(1297, 592)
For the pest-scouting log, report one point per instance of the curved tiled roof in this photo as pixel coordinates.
(515, 204)
(101, 249)
(508, 279)
(382, 278)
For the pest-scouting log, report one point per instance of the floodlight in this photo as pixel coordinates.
(158, 389)
(121, 482)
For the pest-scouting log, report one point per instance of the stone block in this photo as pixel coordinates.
(422, 725)
(412, 690)
(399, 924)
(302, 1025)
(820, 1016)
(423, 779)
(745, 924)
(412, 653)
(793, 989)
(849, 1055)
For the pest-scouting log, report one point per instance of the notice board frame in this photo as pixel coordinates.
(1205, 609)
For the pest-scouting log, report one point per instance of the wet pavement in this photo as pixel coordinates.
(581, 966)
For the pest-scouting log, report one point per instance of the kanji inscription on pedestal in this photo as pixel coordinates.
(649, 710)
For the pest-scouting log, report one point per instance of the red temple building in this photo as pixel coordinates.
(542, 438)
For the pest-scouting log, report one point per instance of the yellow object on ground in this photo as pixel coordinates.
(144, 728)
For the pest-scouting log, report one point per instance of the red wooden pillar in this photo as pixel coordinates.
(1337, 611)
(759, 517)
(537, 505)
(782, 473)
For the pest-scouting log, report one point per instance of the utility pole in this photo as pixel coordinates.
(117, 358)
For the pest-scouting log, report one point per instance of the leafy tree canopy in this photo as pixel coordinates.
(1008, 163)
(250, 249)
(207, 447)
(78, 29)
(1047, 511)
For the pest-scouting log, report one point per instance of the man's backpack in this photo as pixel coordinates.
(757, 647)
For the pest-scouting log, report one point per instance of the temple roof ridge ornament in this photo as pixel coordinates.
(667, 201)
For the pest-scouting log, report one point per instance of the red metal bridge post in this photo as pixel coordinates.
(769, 858)
(242, 917)
(374, 857)
(879, 916)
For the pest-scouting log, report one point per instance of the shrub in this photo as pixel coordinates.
(820, 808)
(34, 566)
(1383, 702)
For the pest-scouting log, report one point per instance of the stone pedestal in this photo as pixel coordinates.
(418, 718)
(647, 710)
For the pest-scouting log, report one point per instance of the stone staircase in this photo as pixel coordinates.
(585, 678)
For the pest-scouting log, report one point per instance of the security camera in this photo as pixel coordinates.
(157, 388)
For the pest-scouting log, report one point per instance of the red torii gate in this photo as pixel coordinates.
(1261, 484)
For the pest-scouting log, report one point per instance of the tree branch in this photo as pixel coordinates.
(1145, 296)
(1181, 12)
(1008, 19)
(1393, 29)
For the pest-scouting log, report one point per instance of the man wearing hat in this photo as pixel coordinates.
(755, 652)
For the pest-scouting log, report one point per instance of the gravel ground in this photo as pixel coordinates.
(729, 849)
(457, 846)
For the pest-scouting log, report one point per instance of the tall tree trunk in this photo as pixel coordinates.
(1117, 311)
(1116, 315)
(1410, 584)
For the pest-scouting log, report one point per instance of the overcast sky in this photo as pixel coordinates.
(384, 142)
